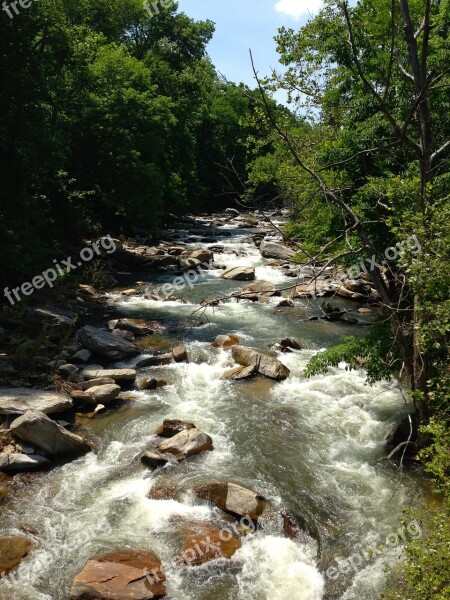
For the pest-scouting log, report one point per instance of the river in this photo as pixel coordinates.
(314, 446)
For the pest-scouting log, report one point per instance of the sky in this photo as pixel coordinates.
(244, 24)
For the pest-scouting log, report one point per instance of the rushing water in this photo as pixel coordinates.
(314, 446)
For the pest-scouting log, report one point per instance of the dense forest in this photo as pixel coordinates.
(112, 119)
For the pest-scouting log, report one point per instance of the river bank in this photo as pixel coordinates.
(312, 451)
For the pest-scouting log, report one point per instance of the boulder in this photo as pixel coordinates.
(126, 575)
(155, 361)
(165, 492)
(94, 372)
(289, 344)
(16, 462)
(265, 365)
(106, 344)
(240, 274)
(67, 370)
(203, 256)
(85, 385)
(103, 394)
(13, 548)
(203, 542)
(16, 401)
(233, 499)
(37, 429)
(232, 211)
(260, 287)
(180, 354)
(133, 326)
(154, 459)
(286, 303)
(187, 443)
(125, 335)
(172, 427)
(83, 355)
(81, 399)
(239, 373)
(319, 287)
(225, 341)
(273, 250)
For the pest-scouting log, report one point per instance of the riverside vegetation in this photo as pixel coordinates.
(116, 123)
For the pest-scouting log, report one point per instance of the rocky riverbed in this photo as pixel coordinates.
(159, 439)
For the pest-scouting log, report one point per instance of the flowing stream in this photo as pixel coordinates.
(314, 446)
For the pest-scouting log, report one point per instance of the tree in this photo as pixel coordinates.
(373, 81)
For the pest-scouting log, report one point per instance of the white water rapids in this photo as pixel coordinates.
(314, 446)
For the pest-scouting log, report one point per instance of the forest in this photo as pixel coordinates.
(114, 120)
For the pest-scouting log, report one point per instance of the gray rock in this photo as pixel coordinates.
(68, 370)
(180, 354)
(240, 274)
(103, 394)
(36, 428)
(94, 372)
(83, 355)
(274, 250)
(14, 463)
(93, 382)
(106, 344)
(155, 361)
(16, 401)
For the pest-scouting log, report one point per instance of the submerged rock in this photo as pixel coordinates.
(203, 542)
(16, 401)
(37, 429)
(265, 365)
(233, 499)
(126, 575)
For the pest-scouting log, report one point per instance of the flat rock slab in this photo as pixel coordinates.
(16, 401)
(37, 429)
(16, 462)
(120, 576)
(114, 374)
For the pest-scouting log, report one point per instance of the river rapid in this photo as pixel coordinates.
(313, 446)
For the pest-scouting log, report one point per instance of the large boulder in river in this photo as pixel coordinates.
(240, 274)
(187, 443)
(261, 287)
(273, 250)
(203, 542)
(126, 575)
(95, 372)
(13, 548)
(203, 256)
(106, 344)
(265, 365)
(103, 394)
(37, 429)
(16, 401)
(233, 499)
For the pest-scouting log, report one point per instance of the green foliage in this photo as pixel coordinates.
(377, 352)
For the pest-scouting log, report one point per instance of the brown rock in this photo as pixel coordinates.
(233, 499)
(239, 373)
(171, 427)
(225, 341)
(13, 549)
(164, 492)
(187, 443)
(240, 274)
(180, 354)
(289, 343)
(265, 365)
(203, 542)
(126, 575)
(153, 458)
